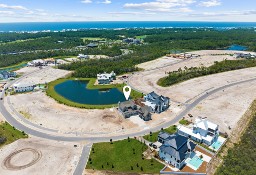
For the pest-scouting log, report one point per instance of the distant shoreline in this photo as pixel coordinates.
(115, 25)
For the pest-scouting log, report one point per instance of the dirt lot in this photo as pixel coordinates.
(47, 74)
(227, 107)
(46, 111)
(163, 61)
(224, 108)
(39, 157)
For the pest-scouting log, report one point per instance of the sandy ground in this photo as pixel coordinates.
(26, 70)
(47, 75)
(48, 112)
(56, 158)
(227, 107)
(2, 119)
(224, 109)
(68, 120)
(146, 81)
(98, 56)
(163, 61)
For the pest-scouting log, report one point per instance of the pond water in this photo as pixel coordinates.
(76, 91)
(237, 47)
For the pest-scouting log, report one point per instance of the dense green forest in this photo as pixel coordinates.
(193, 72)
(241, 159)
(157, 43)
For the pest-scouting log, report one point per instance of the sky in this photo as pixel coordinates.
(127, 10)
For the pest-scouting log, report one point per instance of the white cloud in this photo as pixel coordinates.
(131, 13)
(160, 5)
(225, 13)
(86, 1)
(106, 2)
(7, 13)
(12, 7)
(210, 3)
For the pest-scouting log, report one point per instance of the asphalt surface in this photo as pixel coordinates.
(95, 139)
(83, 159)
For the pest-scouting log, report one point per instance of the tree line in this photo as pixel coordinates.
(193, 72)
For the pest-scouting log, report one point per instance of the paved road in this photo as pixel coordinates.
(83, 159)
(95, 139)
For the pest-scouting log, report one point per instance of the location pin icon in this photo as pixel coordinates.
(127, 93)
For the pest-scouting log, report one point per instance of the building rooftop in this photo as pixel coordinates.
(205, 124)
(198, 135)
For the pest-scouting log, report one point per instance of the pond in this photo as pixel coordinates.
(76, 91)
(237, 47)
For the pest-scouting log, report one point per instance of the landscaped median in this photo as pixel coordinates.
(122, 156)
(91, 81)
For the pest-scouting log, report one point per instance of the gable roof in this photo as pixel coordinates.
(205, 124)
(92, 45)
(176, 141)
(126, 104)
(154, 95)
(178, 154)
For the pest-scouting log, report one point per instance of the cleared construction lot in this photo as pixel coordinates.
(224, 108)
(39, 157)
(46, 75)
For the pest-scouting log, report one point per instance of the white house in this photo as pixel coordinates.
(22, 87)
(203, 131)
(83, 57)
(156, 102)
(106, 78)
(36, 63)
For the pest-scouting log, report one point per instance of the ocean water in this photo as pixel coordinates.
(58, 26)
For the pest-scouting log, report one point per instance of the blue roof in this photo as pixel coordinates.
(176, 145)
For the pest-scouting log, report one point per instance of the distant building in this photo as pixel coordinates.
(131, 41)
(36, 63)
(129, 108)
(175, 149)
(157, 103)
(92, 45)
(83, 57)
(5, 74)
(203, 131)
(22, 87)
(106, 78)
(244, 55)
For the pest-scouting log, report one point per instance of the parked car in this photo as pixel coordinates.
(151, 144)
(154, 146)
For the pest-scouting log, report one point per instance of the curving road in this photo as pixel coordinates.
(94, 139)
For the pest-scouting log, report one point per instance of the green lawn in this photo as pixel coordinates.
(92, 39)
(122, 156)
(184, 122)
(141, 37)
(10, 133)
(153, 136)
(14, 67)
(52, 93)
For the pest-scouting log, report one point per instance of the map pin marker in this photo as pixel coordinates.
(127, 93)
